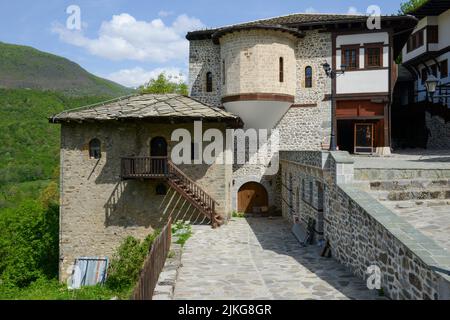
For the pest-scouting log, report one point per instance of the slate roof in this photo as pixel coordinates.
(156, 107)
(297, 20)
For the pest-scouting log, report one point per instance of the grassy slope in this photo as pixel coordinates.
(29, 145)
(24, 67)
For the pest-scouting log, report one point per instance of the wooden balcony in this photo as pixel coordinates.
(144, 168)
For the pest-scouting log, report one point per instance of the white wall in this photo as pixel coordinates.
(258, 114)
(363, 81)
(366, 81)
(444, 29)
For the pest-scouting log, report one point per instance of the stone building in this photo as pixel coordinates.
(115, 173)
(425, 56)
(118, 176)
(271, 74)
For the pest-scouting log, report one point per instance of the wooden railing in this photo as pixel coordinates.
(190, 189)
(144, 167)
(161, 167)
(153, 265)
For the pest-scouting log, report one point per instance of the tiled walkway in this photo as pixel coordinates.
(259, 258)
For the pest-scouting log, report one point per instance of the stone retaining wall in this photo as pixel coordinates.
(363, 233)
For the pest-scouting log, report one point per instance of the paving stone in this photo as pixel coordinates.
(261, 259)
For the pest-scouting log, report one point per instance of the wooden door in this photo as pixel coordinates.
(252, 198)
(364, 137)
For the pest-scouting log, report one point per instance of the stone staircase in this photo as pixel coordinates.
(193, 193)
(419, 191)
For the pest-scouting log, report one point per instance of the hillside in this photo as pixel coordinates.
(23, 67)
(29, 148)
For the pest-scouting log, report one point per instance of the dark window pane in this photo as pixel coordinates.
(209, 82)
(308, 77)
(95, 149)
(281, 70)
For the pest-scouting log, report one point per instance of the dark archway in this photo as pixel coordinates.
(158, 147)
(253, 198)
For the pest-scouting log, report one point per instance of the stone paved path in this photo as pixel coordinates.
(433, 221)
(259, 258)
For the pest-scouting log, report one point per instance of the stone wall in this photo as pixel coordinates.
(252, 62)
(439, 132)
(204, 57)
(98, 210)
(363, 233)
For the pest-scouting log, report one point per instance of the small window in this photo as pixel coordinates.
(209, 82)
(374, 57)
(444, 69)
(350, 57)
(433, 34)
(281, 69)
(161, 189)
(95, 149)
(308, 77)
(415, 41)
(224, 78)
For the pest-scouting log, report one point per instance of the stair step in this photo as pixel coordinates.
(414, 184)
(418, 194)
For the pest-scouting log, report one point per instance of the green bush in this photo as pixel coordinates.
(126, 264)
(183, 231)
(28, 243)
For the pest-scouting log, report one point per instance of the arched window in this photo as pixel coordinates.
(209, 82)
(281, 69)
(308, 77)
(95, 149)
(224, 78)
(161, 189)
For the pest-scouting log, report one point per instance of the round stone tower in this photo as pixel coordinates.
(258, 72)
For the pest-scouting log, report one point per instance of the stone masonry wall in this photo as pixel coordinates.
(307, 125)
(439, 129)
(204, 57)
(98, 210)
(252, 62)
(363, 233)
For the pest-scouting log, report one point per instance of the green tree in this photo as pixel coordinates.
(411, 5)
(163, 85)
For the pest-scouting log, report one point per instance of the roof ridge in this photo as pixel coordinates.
(287, 15)
(93, 105)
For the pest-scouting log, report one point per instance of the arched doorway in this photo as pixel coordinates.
(158, 153)
(158, 147)
(253, 198)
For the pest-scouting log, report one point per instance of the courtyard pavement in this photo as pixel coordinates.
(432, 220)
(259, 258)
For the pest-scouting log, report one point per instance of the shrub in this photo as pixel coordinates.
(28, 243)
(126, 264)
(182, 231)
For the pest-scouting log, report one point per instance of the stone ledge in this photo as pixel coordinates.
(164, 289)
(420, 245)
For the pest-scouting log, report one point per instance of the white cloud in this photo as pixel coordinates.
(138, 76)
(353, 11)
(310, 10)
(125, 38)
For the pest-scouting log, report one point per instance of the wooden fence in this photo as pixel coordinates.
(153, 265)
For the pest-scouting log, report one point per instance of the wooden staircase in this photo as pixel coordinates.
(161, 167)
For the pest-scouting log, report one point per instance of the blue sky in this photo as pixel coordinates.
(131, 41)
